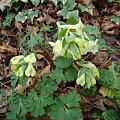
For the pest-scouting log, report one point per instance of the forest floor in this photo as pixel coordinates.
(16, 32)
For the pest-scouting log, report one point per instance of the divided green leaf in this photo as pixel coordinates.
(47, 84)
(14, 80)
(107, 77)
(35, 104)
(111, 115)
(57, 74)
(17, 104)
(35, 40)
(3, 94)
(66, 107)
(91, 29)
(66, 75)
(63, 62)
(70, 74)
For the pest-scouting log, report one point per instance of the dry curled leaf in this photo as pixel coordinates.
(101, 102)
(6, 48)
(19, 26)
(47, 18)
(107, 25)
(101, 58)
(86, 2)
(4, 3)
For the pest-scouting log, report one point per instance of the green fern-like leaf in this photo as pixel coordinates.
(35, 40)
(110, 115)
(14, 80)
(107, 77)
(17, 104)
(35, 104)
(47, 84)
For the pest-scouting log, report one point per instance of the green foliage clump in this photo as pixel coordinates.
(37, 103)
(73, 42)
(26, 15)
(110, 79)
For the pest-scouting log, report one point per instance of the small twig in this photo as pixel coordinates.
(106, 62)
(6, 82)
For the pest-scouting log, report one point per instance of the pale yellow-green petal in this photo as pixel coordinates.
(93, 81)
(30, 71)
(81, 80)
(19, 73)
(30, 58)
(16, 59)
(24, 1)
(93, 47)
(15, 67)
(57, 46)
(95, 71)
(88, 83)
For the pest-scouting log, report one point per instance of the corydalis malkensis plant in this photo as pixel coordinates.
(22, 65)
(87, 74)
(73, 42)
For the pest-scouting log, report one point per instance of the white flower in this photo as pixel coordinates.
(30, 71)
(93, 47)
(57, 46)
(16, 59)
(30, 58)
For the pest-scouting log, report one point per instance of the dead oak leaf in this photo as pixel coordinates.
(4, 3)
(6, 48)
(101, 102)
(41, 19)
(47, 18)
(101, 58)
(107, 25)
(19, 26)
(85, 2)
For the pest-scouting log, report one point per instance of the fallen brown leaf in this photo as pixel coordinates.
(102, 58)
(18, 26)
(101, 102)
(4, 3)
(107, 25)
(86, 2)
(6, 48)
(41, 19)
(47, 18)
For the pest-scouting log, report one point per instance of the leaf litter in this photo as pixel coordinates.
(101, 18)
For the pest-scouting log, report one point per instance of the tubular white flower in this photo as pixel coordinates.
(57, 46)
